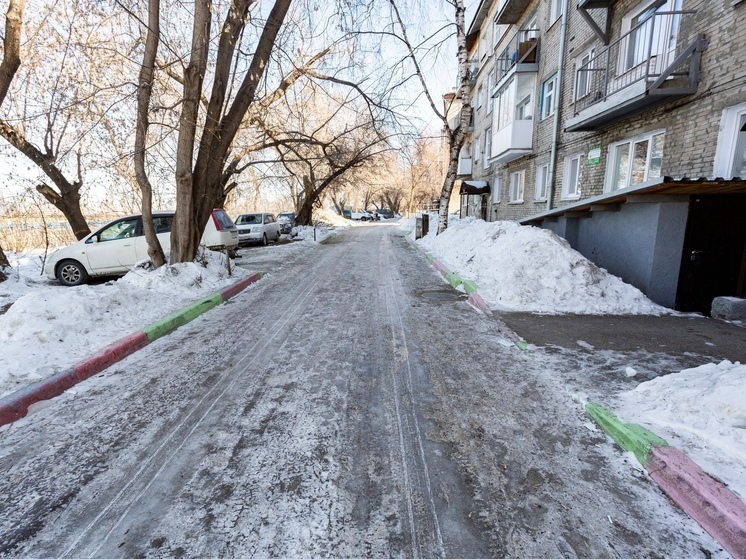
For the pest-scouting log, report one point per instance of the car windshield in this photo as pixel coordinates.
(285, 217)
(249, 219)
(223, 218)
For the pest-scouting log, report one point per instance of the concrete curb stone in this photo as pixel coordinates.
(708, 501)
(14, 406)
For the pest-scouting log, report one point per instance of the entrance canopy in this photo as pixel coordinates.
(474, 188)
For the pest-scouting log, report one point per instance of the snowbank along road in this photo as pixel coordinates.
(348, 405)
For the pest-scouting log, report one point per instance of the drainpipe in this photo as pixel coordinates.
(558, 111)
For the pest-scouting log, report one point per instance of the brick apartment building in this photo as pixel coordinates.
(621, 126)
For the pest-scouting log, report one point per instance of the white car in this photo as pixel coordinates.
(118, 246)
(362, 215)
(257, 228)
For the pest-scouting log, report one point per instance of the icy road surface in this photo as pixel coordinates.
(348, 405)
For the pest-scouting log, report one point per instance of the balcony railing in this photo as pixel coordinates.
(523, 49)
(661, 52)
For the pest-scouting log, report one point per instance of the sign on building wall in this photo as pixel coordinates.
(594, 156)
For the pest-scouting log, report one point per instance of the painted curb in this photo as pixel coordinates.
(14, 406)
(476, 300)
(632, 438)
(470, 287)
(708, 501)
(453, 279)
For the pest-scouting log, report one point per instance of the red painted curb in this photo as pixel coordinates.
(440, 267)
(706, 500)
(239, 286)
(110, 355)
(476, 300)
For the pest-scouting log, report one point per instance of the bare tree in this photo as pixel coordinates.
(8, 67)
(454, 137)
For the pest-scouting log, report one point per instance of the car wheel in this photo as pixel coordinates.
(278, 236)
(265, 241)
(70, 273)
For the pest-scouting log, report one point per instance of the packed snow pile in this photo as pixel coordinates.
(522, 268)
(50, 328)
(330, 217)
(700, 411)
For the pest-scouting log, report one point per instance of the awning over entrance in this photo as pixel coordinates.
(474, 188)
(664, 186)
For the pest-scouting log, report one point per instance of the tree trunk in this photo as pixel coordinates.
(68, 202)
(12, 45)
(185, 234)
(305, 212)
(145, 82)
(457, 137)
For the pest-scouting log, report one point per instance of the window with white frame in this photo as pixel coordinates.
(635, 161)
(505, 100)
(730, 157)
(584, 73)
(571, 178)
(490, 87)
(555, 11)
(497, 187)
(524, 110)
(517, 183)
(477, 149)
(548, 97)
(487, 147)
(542, 182)
(498, 30)
(650, 36)
(480, 94)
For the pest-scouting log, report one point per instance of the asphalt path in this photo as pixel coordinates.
(350, 404)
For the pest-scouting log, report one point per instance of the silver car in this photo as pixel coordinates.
(257, 228)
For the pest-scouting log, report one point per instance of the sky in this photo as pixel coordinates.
(701, 411)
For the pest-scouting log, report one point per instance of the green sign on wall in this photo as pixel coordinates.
(594, 156)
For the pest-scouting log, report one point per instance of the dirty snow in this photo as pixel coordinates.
(522, 268)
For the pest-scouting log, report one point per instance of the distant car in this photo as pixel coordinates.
(117, 246)
(385, 214)
(362, 215)
(257, 228)
(286, 221)
(347, 214)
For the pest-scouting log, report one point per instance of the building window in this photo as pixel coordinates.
(490, 87)
(730, 158)
(477, 149)
(524, 110)
(498, 30)
(548, 97)
(487, 147)
(635, 161)
(571, 179)
(555, 11)
(497, 187)
(650, 36)
(542, 182)
(480, 94)
(584, 73)
(517, 182)
(505, 105)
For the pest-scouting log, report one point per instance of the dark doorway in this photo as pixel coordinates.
(714, 259)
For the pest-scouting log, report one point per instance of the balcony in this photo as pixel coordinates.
(655, 63)
(512, 141)
(521, 55)
(511, 11)
(464, 167)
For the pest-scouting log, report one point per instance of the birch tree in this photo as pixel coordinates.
(454, 137)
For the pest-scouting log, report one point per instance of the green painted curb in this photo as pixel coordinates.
(453, 279)
(631, 437)
(469, 286)
(428, 257)
(179, 318)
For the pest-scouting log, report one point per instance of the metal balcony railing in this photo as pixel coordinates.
(522, 49)
(657, 50)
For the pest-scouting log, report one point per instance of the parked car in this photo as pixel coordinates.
(362, 215)
(286, 221)
(385, 213)
(117, 246)
(257, 228)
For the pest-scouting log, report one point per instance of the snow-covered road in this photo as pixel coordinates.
(348, 405)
